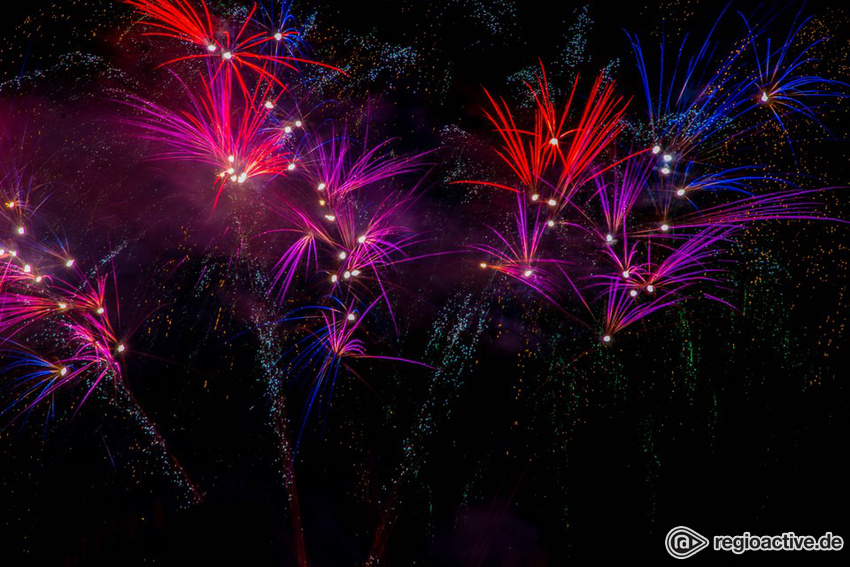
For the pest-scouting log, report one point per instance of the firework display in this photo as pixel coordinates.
(267, 229)
(655, 255)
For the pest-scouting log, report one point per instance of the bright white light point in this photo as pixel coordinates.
(291, 166)
(100, 310)
(10, 205)
(63, 371)
(231, 171)
(656, 149)
(27, 269)
(21, 230)
(633, 293)
(298, 124)
(552, 202)
(650, 288)
(321, 187)
(321, 202)
(680, 192)
(764, 97)
(242, 177)
(38, 279)
(211, 47)
(355, 272)
(334, 278)
(609, 238)
(330, 217)
(351, 317)
(278, 36)
(288, 129)
(551, 223)
(665, 227)
(346, 274)
(665, 170)
(231, 159)
(233, 178)
(606, 338)
(227, 55)
(343, 255)
(535, 197)
(269, 104)
(527, 273)
(626, 273)
(554, 141)
(361, 239)
(62, 305)
(120, 348)
(483, 265)
(69, 263)
(14, 253)
(668, 158)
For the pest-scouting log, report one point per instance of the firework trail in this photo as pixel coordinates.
(552, 160)
(59, 330)
(177, 19)
(331, 347)
(354, 231)
(218, 129)
(521, 260)
(227, 52)
(455, 341)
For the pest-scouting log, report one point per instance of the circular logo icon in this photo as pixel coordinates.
(683, 542)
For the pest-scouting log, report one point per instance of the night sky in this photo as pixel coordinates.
(519, 438)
